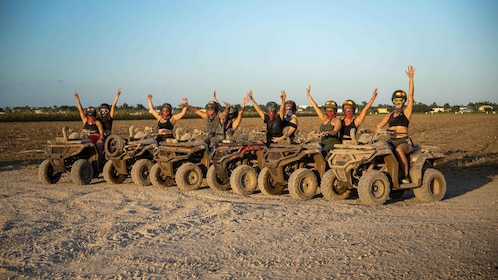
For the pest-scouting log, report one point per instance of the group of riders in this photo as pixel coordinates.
(281, 121)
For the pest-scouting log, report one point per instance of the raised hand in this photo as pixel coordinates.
(410, 72)
(308, 90)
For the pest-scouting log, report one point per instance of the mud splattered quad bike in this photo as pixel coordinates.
(236, 165)
(371, 166)
(130, 156)
(77, 155)
(297, 165)
(184, 162)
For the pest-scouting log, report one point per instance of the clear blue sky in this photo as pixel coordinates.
(344, 49)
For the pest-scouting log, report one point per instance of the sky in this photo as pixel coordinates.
(172, 49)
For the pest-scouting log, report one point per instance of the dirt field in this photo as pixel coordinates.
(127, 231)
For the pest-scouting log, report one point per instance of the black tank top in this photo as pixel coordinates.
(165, 125)
(287, 122)
(107, 125)
(273, 128)
(346, 129)
(400, 120)
(93, 128)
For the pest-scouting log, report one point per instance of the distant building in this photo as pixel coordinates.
(383, 110)
(485, 108)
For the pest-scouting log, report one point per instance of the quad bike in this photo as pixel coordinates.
(185, 162)
(370, 166)
(74, 153)
(236, 165)
(296, 165)
(130, 156)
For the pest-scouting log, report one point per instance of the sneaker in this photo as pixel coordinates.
(406, 180)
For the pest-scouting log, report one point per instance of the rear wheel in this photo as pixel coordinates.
(113, 145)
(266, 185)
(140, 172)
(244, 180)
(81, 172)
(331, 189)
(46, 173)
(302, 184)
(158, 179)
(189, 177)
(111, 174)
(215, 182)
(433, 186)
(373, 188)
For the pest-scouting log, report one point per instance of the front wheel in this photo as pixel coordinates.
(302, 184)
(46, 173)
(373, 188)
(433, 186)
(189, 177)
(111, 174)
(81, 172)
(331, 189)
(140, 172)
(244, 180)
(266, 185)
(215, 182)
(158, 179)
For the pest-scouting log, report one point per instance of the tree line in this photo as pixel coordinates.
(137, 112)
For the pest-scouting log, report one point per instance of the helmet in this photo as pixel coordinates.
(104, 106)
(348, 103)
(232, 112)
(398, 94)
(330, 105)
(292, 105)
(212, 105)
(271, 107)
(90, 112)
(166, 106)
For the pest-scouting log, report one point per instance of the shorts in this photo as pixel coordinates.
(398, 141)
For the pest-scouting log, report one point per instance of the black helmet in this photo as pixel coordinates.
(293, 105)
(330, 104)
(348, 103)
(104, 106)
(232, 112)
(212, 105)
(167, 106)
(271, 107)
(399, 94)
(90, 112)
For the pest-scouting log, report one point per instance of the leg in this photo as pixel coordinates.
(402, 150)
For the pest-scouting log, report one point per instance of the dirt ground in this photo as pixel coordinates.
(127, 231)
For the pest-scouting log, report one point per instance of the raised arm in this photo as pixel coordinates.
(180, 115)
(194, 110)
(313, 103)
(359, 120)
(80, 108)
(237, 121)
(255, 104)
(411, 89)
(283, 97)
(151, 108)
(113, 107)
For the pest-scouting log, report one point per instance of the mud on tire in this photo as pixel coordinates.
(140, 172)
(215, 182)
(157, 177)
(244, 180)
(113, 145)
(433, 186)
(374, 188)
(82, 172)
(111, 174)
(189, 177)
(265, 183)
(331, 190)
(302, 184)
(46, 173)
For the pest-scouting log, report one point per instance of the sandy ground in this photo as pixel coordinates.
(100, 230)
